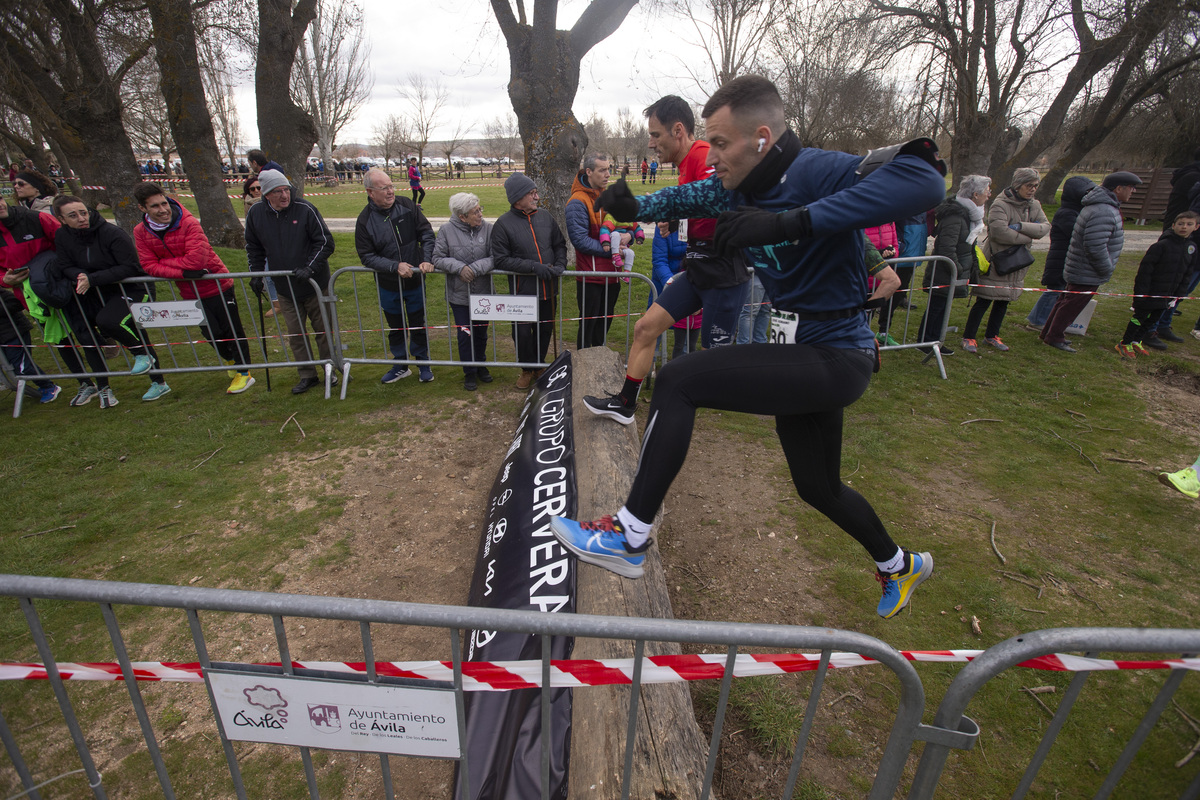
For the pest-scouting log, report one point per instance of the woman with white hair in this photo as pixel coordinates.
(1014, 220)
(464, 252)
(959, 224)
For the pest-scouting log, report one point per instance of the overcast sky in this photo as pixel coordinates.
(459, 43)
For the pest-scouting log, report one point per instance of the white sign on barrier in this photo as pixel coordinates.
(336, 715)
(513, 307)
(170, 314)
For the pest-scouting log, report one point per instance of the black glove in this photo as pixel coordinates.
(194, 273)
(749, 227)
(545, 272)
(618, 201)
(303, 273)
(257, 286)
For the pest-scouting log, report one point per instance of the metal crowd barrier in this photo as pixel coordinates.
(177, 352)
(931, 346)
(1022, 648)
(360, 330)
(455, 621)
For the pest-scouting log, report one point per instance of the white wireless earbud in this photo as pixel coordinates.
(761, 144)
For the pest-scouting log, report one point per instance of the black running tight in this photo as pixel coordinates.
(804, 387)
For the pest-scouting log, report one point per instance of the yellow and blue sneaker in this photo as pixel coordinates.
(602, 543)
(898, 586)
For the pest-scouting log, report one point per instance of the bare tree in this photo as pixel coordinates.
(286, 132)
(597, 131)
(427, 99)
(543, 79)
(390, 137)
(62, 65)
(145, 113)
(449, 146)
(628, 137)
(175, 51)
(730, 32)
(1125, 54)
(996, 54)
(218, 90)
(500, 140)
(332, 78)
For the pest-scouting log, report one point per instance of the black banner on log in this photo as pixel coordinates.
(521, 565)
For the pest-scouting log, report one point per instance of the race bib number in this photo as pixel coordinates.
(783, 327)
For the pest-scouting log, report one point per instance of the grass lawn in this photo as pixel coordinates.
(193, 485)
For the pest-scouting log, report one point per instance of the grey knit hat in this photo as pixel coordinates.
(1115, 179)
(271, 179)
(1023, 176)
(517, 186)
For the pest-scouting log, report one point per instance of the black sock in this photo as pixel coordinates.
(629, 392)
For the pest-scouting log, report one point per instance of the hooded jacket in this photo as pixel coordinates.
(583, 229)
(182, 246)
(1061, 226)
(1183, 181)
(1007, 209)
(1097, 240)
(953, 227)
(459, 245)
(292, 239)
(1165, 271)
(24, 234)
(102, 251)
(533, 245)
(385, 237)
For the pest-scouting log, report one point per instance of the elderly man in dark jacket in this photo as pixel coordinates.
(1061, 227)
(292, 235)
(394, 239)
(528, 241)
(1096, 244)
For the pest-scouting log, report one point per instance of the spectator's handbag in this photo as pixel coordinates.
(1011, 259)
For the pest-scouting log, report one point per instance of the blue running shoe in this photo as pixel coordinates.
(50, 393)
(155, 391)
(601, 543)
(898, 586)
(141, 365)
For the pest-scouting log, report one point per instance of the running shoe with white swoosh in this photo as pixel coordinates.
(601, 543)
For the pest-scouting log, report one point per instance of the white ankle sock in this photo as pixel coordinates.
(894, 565)
(636, 531)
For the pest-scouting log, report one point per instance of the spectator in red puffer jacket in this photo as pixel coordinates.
(171, 244)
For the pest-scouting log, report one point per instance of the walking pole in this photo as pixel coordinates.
(262, 339)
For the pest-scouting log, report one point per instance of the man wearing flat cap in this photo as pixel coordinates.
(528, 241)
(1096, 244)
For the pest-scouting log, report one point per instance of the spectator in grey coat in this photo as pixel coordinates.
(464, 252)
(1096, 245)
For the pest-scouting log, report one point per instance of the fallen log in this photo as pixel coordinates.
(669, 752)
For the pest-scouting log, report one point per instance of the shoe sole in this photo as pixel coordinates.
(249, 383)
(427, 380)
(1165, 479)
(136, 371)
(158, 396)
(604, 412)
(922, 576)
(614, 564)
(82, 402)
(396, 379)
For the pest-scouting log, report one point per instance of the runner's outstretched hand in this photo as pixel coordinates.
(749, 227)
(618, 201)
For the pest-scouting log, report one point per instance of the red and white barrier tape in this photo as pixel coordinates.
(484, 676)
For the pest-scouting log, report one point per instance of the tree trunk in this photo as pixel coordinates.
(191, 125)
(543, 81)
(286, 133)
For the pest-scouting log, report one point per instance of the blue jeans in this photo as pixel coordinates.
(1165, 322)
(1041, 309)
(755, 319)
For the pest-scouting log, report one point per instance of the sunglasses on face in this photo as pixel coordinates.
(20, 183)
(256, 188)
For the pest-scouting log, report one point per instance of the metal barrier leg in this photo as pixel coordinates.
(21, 384)
(1143, 730)
(810, 713)
(639, 649)
(64, 702)
(235, 772)
(464, 774)
(135, 696)
(546, 737)
(14, 755)
(285, 658)
(719, 721)
(1051, 734)
(385, 766)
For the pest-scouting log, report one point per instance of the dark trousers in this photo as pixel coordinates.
(905, 273)
(114, 321)
(1143, 324)
(472, 337)
(295, 312)
(995, 319)
(1070, 303)
(417, 190)
(223, 327)
(596, 303)
(533, 338)
(931, 329)
(19, 354)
